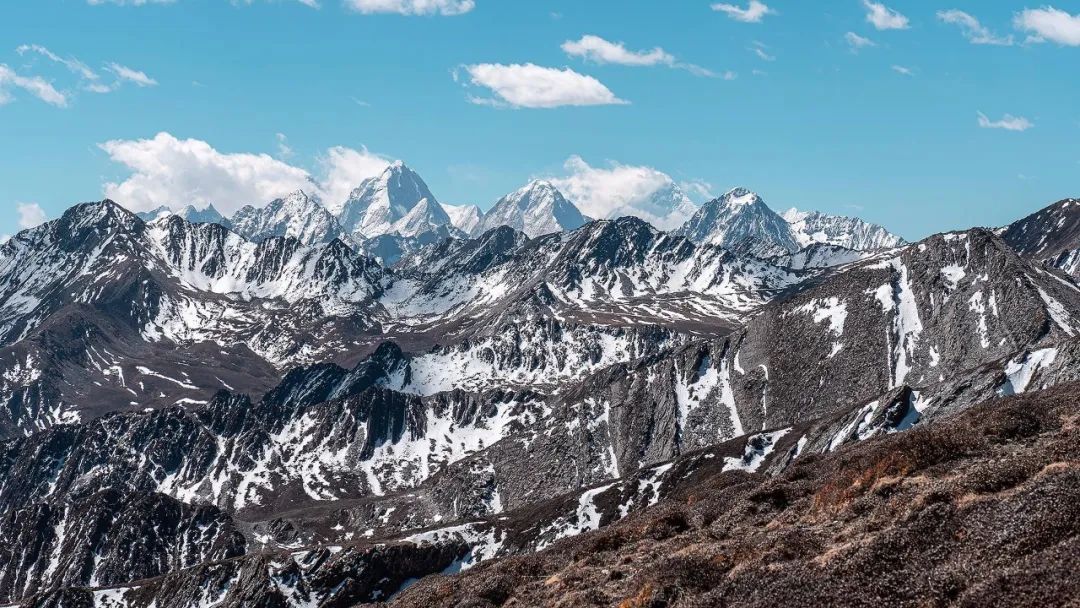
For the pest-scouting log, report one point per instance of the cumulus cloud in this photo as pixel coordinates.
(1007, 122)
(857, 42)
(601, 51)
(131, 75)
(975, 32)
(173, 172)
(35, 85)
(30, 215)
(619, 190)
(1049, 24)
(532, 86)
(412, 7)
(754, 12)
(177, 172)
(905, 71)
(883, 17)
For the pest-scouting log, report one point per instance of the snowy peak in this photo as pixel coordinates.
(814, 227)
(297, 215)
(465, 218)
(426, 216)
(208, 215)
(741, 221)
(380, 202)
(536, 209)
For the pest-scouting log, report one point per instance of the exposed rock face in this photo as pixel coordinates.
(1050, 235)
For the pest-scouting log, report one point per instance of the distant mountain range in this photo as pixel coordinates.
(394, 214)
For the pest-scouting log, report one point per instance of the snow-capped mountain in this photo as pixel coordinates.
(207, 215)
(465, 218)
(812, 227)
(378, 205)
(741, 221)
(536, 209)
(297, 215)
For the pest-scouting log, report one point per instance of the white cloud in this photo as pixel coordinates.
(342, 170)
(698, 189)
(595, 48)
(906, 71)
(283, 149)
(1007, 122)
(857, 42)
(1049, 23)
(35, 85)
(754, 12)
(532, 86)
(759, 49)
(412, 7)
(974, 31)
(70, 63)
(31, 215)
(131, 75)
(598, 50)
(883, 17)
(619, 190)
(177, 172)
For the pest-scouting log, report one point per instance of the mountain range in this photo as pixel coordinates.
(394, 214)
(532, 406)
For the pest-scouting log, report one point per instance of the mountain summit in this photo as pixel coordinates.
(378, 203)
(741, 221)
(536, 209)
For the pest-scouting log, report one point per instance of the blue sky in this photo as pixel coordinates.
(794, 106)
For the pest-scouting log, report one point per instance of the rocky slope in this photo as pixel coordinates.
(979, 509)
(1049, 235)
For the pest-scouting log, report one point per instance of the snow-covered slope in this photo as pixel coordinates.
(298, 215)
(536, 209)
(207, 215)
(812, 227)
(465, 218)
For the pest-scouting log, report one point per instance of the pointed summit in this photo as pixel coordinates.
(380, 202)
(536, 209)
(741, 221)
